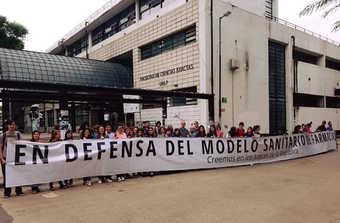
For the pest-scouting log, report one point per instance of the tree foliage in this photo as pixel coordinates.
(327, 6)
(12, 34)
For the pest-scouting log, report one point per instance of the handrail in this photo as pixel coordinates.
(302, 29)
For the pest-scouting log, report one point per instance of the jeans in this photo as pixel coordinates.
(8, 190)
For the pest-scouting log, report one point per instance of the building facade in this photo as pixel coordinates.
(265, 71)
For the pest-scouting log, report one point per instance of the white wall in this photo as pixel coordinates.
(317, 80)
(255, 6)
(175, 115)
(317, 115)
(245, 37)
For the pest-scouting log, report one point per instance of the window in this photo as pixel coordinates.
(277, 88)
(171, 42)
(269, 9)
(181, 101)
(332, 102)
(308, 100)
(305, 57)
(175, 101)
(114, 25)
(332, 64)
(148, 6)
(78, 47)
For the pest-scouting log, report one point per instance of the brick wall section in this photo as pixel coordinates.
(178, 19)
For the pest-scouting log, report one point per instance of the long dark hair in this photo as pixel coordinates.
(53, 135)
(212, 133)
(201, 134)
(82, 135)
(68, 132)
(99, 134)
(232, 132)
(177, 133)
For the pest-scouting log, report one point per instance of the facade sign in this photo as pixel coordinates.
(168, 72)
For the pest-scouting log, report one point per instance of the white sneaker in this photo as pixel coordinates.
(100, 181)
(123, 178)
(109, 180)
(89, 183)
(119, 179)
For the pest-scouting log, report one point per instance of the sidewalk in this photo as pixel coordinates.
(282, 192)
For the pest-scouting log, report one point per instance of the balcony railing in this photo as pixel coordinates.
(296, 27)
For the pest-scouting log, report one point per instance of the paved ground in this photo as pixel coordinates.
(303, 190)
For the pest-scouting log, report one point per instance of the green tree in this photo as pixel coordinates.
(12, 34)
(327, 6)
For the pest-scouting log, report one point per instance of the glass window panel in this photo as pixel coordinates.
(168, 43)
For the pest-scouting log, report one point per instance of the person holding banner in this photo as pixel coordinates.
(56, 137)
(212, 132)
(219, 131)
(240, 132)
(109, 133)
(86, 135)
(102, 135)
(120, 134)
(201, 132)
(35, 138)
(68, 136)
(184, 132)
(256, 131)
(161, 132)
(250, 132)
(10, 135)
(330, 126)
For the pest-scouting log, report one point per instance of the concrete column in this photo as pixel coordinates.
(89, 40)
(137, 11)
(322, 61)
(290, 119)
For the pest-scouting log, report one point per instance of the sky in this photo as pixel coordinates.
(49, 20)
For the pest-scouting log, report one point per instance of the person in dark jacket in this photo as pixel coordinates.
(322, 127)
(10, 135)
(184, 132)
(212, 132)
(233, 132)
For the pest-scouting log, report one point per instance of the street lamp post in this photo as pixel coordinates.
(220, 66)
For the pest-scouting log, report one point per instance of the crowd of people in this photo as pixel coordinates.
(159, 131)
(107, 132)
(307, 128)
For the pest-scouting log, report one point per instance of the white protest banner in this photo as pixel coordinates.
(35, 163)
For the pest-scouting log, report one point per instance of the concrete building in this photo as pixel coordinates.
(265, 71)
